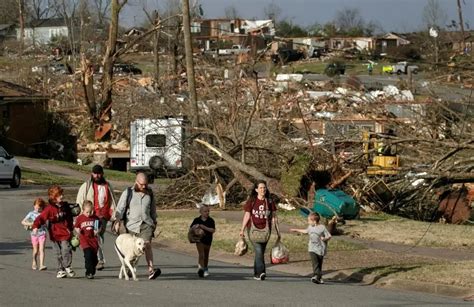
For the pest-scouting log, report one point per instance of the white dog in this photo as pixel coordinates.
(129, 249)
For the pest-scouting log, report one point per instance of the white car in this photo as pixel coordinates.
(10, 172)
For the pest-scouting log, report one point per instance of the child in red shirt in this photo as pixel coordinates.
(59, 216)
(87, 226)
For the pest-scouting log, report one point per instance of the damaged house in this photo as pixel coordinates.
(23, 118)
(218, 33)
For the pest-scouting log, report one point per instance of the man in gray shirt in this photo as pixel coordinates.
(139, 216)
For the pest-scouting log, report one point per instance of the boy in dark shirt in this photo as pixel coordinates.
(206, 223)
(87, 226)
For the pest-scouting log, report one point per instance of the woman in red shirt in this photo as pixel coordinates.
(260, 214)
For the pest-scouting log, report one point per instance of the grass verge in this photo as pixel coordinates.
(109, 174)
(455, 274)
(394, 229)
(174, 226)
(30, 176)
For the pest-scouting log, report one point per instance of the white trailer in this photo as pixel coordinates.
(157, 146)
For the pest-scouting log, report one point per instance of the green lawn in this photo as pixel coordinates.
(42, 178)
(110, 174)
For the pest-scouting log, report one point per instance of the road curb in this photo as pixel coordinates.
(401, 284)
(426, 287)
(345, 276)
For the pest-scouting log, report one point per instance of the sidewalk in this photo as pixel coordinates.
(351, 276)
(432, 252)
(349, 263)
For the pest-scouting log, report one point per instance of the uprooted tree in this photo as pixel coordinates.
(251, 128)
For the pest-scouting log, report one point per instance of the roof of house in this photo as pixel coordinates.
(12, 90)
(46, 23)
(5, 26)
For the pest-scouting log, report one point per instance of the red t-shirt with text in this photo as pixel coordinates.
(258, 211)
(86, 231)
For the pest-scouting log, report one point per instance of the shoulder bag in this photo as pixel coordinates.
(258, 235)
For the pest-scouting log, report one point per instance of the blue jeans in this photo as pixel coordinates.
(259, 262)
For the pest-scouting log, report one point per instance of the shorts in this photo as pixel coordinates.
(35, 240)
(147, 232)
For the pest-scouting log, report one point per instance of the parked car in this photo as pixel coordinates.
(336, 68)
(127, 69)
(400, 68)
(284, 56)
(55, 67)
(10, 172)
(121, 69)
(317, 52)
(404, 68)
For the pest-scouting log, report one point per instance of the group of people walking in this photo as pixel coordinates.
(136, 210)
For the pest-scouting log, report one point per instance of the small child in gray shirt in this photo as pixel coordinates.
(317, 245)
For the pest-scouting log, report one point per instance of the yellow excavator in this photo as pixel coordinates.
(381, 155)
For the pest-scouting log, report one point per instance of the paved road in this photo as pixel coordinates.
(179, 285)
(452, 94)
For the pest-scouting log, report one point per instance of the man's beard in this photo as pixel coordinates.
(100, 180)
(140, 189)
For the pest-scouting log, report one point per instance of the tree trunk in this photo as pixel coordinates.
(273, 184)
(21, 21)
(461, 23)
(189, 63)
(109, 60)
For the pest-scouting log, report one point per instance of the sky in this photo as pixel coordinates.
(392, 15)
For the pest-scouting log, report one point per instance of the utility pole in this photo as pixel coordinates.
(188, 47)
(461, 23)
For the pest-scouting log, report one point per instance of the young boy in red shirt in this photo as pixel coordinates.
(87, 226)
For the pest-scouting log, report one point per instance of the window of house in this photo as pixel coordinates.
(155, 140)
(57, 32)
(195, 27)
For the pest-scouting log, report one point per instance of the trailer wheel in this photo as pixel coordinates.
(156, 163)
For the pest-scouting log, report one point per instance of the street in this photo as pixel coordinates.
(178, 285)
(422, 86)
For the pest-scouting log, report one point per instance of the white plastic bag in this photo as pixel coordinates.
(280, 254)
(241, 247)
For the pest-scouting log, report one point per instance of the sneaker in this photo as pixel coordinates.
(100, 265)
(61, 274)
(201, 273)
(43, 268)
(314, 280)
(154, 274)
(89, 276)
(261, 277)
(34, 267)
(321, 281)
(70, 272)
(206, 273)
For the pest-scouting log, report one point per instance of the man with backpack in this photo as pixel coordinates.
(98, 191)
(136, 209)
